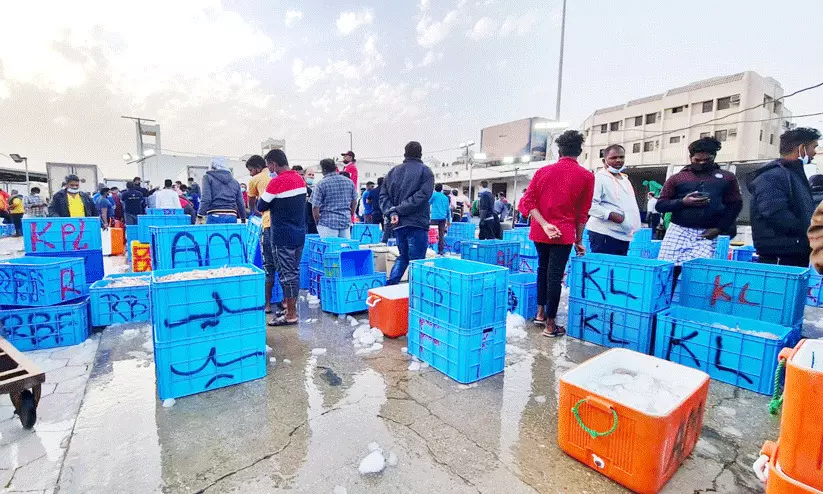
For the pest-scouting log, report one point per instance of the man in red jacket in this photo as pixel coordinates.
(558, 200)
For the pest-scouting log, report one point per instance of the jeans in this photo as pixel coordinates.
(287, 264)
(17, 219)
(799, 260)
(213, 219)
(551, 262)
(268, 255)
(131, 218)
(325, 232)
(441, 233)
(388, 231)
(604, 244)
(412, 244)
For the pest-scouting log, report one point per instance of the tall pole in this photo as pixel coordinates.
(351, 141)
(514, 200)
(560, 64)
(28, 184)
(470, 176)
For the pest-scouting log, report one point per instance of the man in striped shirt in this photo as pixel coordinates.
(285, 199)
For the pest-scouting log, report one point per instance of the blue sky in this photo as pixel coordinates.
(222, 76)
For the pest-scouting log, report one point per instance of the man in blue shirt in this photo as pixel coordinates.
(369, 200)
(105, 206)
(440, 215)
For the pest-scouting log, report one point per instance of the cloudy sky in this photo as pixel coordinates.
(221, 76)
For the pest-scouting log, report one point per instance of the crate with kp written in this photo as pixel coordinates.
(120, 304)
(52, 235)
(41, 281)
(38, 328)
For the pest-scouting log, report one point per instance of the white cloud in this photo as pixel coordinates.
(348, 22)
(518, 25)
(424, 4)
(409, 65)
(292, 16)
(430, 58)
(484, 28)
(306, 77)
(431, 32)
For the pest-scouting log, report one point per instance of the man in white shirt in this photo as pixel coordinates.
(614, 215)
(167, 197)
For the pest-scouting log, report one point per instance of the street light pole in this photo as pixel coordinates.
(22, 159)
(560, 64)
(351, 141)
(514, 200)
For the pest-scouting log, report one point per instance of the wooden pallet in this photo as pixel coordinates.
(18, 374)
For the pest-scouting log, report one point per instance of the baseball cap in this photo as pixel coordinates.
(348, 153)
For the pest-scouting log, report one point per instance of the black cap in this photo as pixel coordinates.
(348, 153)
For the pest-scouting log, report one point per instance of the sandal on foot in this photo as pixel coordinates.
(558, 331)
(539, 322)
(282, 321)
(268, 310)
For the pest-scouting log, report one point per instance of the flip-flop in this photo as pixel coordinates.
(282, 321)
(268, 311)
(558, 331)
(539, 322)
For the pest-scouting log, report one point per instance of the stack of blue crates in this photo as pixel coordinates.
(641, 244)
(504, 253)
(348, 275)
(733, 319)
(192, 246)
(614, 299)
(208, 333)
(721, 251)
(318, 247)
(366, 233)
(67, 237)
(43, 302)
(165, 211)
(457, 233)
(304, 260)
(120, 304)
(457, 317)
(145, 221)
(528, 251)
(746, 253)
(6, 229)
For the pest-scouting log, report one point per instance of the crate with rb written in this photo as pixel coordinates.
(38, 328)
(41, 281)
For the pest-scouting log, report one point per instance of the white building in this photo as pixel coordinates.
(657, 129)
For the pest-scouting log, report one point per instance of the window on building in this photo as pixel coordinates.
(585, 156)
(636, 147)
(721, 135)
(648, 146)
(651, 118)
(614, 126)
(604, 128)
(638, 121)
(732, 133)
(674, 140)
(728, 102)
(778, 107)
(761, 134)
(602, 152)
(708, 106)
(678, 109)
(771, 139)
(767, 100)
(705, 134)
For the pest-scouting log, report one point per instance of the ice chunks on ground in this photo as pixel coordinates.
(268, 349)
(168, 403)
(392, 459)
(373, 446)
(273, 360)
(373, 463)
(318, 351)
(414, 366)
(352, 321)
(515, 327)
(370, 339)
(404, 349)
(424, 365)
(540, 399)
(286, 361)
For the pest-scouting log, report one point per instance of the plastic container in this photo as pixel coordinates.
(641, 236)
(643, 285)
(465, 356)
(321, 246)
(121, 304)
(307, 246)
(461, 293)
(453, 244)
(49, 235)
(165, 211)
(504, 253)
(145, 221)
(521, 235)
(118, 241)
(654, 249)
(348, 263)
(743, 254)
(462, 231)
(254, 237)
(140, 257)
(722, 249)
(193, 246)
(712, 343)
(193, 366)
(523, 294)
(304, 275)
(389, 309)
(348, 295)
(315, 277)
(631, 443)
(92, 262)
(801, 427)
(186, 309)
(814, 296)
(38, 328)
(366, 233)
(528, 264)
(609, 326)
(434, 235)
(766, 292)
(41, 281)
(779, 482)
(276, 290)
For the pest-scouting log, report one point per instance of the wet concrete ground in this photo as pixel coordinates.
(301, 429)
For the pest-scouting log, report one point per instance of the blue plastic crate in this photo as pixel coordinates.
(276, 290)
(609, 326)
(197, 308)
(164, 211)
(638, 252)
(464, 357)
(38, 328)
(366, 233)
(254, 235)
(48, 235)
(654, 249)
(92, 262)
(41, 281)
(521, 235)
(315, 277)
(643, 285)
(348, 295)
(462, 293)
(188, 367)
(722, 249)
(700, 339)
(145, 221)
(310, 238)
(642, 236)
(764, 292)
(329, 244)
(453, 245)
(744, 254)
(528, 264)
(462, 231)
(814, 296)
(304, 275)
(6, 230)
(348, 263)
(114, 305)
(192, 246)
(523, 294)
(131, 233)
(504, 253)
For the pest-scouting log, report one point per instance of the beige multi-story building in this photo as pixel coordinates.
(656, 130)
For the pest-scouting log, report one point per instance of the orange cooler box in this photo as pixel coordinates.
(118, 241)
(801, 427)
(389, 309)
(632, 417)
(778, 481)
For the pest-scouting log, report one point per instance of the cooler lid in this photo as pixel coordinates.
(393, 292)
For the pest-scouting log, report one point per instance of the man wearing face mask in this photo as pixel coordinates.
(782, 204)
(704, 201)
(614, 215)
(70, 202)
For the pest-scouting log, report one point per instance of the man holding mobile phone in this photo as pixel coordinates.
(704, 201)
